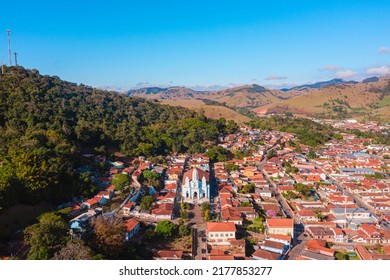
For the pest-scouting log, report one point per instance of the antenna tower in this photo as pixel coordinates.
(9, 47)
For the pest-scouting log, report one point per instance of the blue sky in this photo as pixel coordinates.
(199, 43)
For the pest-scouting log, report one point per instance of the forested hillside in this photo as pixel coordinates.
(307, 131)
(46, 123)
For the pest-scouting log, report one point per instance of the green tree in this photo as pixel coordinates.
(46, 237)
(184, 214)
(229, 166)
(311, 154)
(152, 179)
(120, 181)
(207, 215)
(272, 153)
(166, 229)
(146, 202)
(246, 204)
(231, 127)
(305, 190)
(217, 154)
(319, 215)
(205, 206)
(184, 206)
(248, 188)
(183, 230)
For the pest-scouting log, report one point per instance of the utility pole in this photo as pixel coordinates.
(9, 47)
(16, 58)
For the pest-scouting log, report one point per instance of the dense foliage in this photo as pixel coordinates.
(47, 236)
(46, 123)
(308, 132)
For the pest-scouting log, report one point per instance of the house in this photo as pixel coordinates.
(373, 235)
(221, 258)
(92, 203)
(360, 171)
(261, 254)
(265, 193)
(196, 185)
(307, 216)
(286, 240)
(220, 232)
(174, 173)
(320, 233)
(168, 255)
(280, 226)
(128, 207)
(338, 235)
(132, 227)
(316, 250)
(163, 211)
(318, 247)
(229, 214)
(274, 246)
(354, 217)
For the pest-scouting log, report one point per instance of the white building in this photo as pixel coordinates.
(221, 233)
(196, 185)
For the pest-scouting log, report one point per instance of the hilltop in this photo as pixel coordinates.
(46, 124)
(246, 96)
(230, 103)
(367, 99)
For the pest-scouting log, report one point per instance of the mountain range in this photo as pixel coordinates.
(333, 98)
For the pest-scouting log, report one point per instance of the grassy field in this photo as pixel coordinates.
(210, 111)
(384, 102)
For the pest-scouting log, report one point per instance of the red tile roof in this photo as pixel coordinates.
(131, 224)
(260, 253)
(201, 174)
(221, 258)
(278, 223)
(221, 227)
(166, 254)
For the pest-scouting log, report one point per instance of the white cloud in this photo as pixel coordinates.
(331, 67)
(384, 50)
(275, 77)
(346, 74)
(383, 70)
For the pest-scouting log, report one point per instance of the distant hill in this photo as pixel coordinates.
(163, 93)
(340, 100)
(246, 96)
(209, 110)
(371, 80)
(323, 84)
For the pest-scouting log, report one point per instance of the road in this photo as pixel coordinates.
(282, 202)
(199, 227)
(299, 245)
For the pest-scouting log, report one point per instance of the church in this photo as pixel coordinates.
(196, 185)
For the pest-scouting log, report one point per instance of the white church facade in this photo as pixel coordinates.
(196, 186)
